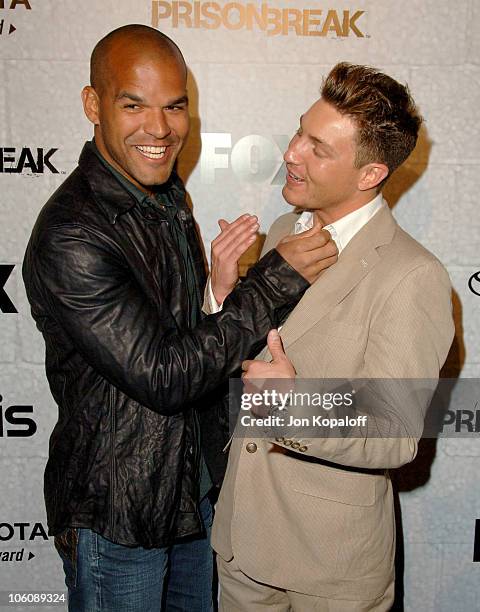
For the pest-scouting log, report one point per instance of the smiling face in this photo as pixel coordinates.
(320, 160)
(140, 112)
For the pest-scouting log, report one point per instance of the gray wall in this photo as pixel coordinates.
(248, 89)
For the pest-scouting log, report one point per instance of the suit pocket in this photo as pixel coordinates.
(336, 485)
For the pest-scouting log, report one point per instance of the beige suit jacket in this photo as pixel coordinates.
(382, 311)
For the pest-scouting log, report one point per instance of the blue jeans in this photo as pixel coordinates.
(105, 577)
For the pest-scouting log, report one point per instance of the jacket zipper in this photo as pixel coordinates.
(112, 457)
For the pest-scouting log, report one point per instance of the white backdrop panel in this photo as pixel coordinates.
(247, 91)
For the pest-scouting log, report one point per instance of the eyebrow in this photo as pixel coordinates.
(181, 100)
(317, 140)
(321, 142)
(134, 98)
(129, 96)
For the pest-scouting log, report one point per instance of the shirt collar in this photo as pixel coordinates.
(343, 230)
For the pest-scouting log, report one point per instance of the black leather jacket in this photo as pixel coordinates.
(105, 283)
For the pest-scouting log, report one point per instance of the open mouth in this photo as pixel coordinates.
(151, 152)
(294, 177)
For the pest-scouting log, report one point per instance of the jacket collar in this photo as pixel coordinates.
(108, 192)
(358, 259)
(113, 197)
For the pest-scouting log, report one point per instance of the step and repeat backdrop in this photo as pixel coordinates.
(254, 68)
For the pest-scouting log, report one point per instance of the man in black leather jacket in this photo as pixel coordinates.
(114, 274)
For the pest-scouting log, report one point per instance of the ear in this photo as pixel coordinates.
(91, 104)
(372, 175)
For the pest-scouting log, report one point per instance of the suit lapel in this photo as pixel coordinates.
(356, 261)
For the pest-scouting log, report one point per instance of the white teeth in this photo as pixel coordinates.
(294, 177)
(152, 152)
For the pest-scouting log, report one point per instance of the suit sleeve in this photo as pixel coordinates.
(91, 293)
(408, 343)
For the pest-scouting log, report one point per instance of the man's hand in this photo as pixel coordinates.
(279, 367)
(227, 248)
(278, 374)
(309, 252)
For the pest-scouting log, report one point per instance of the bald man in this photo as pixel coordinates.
(114, 274)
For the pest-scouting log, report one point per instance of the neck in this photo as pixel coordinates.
(340, 210)
(108, 158)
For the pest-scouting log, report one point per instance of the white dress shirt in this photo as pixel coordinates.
(343, 230)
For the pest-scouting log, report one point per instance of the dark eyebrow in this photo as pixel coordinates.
(182, 100)
(129, 96)
(134, 98)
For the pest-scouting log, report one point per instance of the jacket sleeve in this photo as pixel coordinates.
(407, 345)
(88, 288)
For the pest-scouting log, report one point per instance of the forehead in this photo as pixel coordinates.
(146, 72)
(323, 121)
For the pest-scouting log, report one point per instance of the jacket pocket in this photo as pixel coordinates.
(336, 485)
(66, 544)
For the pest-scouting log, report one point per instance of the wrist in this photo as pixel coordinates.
(221, 291)
(219, 295)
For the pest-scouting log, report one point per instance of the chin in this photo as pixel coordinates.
(153, 181)
(286, 195)
(290, 198)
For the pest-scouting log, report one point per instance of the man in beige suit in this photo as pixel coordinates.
(307, 524)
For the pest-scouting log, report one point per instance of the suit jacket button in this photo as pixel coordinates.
(251, 447)
(279, 439)
(295, 445)
(302, 449)
(287, 442)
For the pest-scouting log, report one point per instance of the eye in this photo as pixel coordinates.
(131, 106)
(299, 132)
(176, 108)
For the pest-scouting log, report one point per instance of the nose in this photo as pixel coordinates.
(156, 124)
(292, 154)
